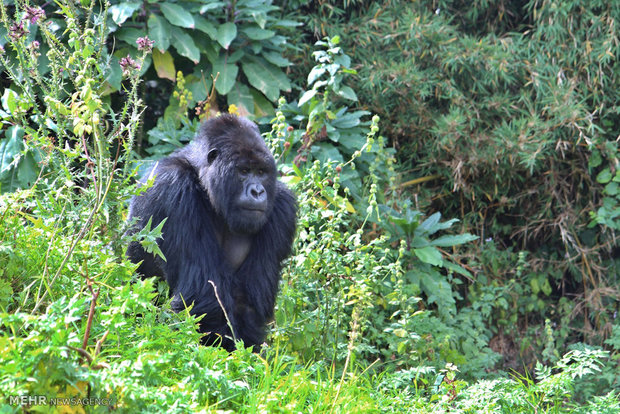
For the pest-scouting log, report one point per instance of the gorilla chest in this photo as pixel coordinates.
(236, 248)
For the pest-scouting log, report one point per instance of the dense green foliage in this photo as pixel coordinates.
(506, 116)
(236, 42)
(500, 113)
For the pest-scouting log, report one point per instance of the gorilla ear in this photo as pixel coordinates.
(212, 155)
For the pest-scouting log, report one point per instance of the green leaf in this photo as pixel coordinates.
(198, 85)
(595, 159)
(430, 222)
(343, 60)
(129, 35)
(546, 287)
(27, 170)
(114, 74)
(351, 142)
(347, 93)
(210, 49)
(17, 169)
(164, 65)
(349, 120)
(184, 44)
(226, 33)
(227, 75)
(306, 97)
(604, 176)
(276, 59)
(123, 11)
(457, 269)
(11, 147)
(401, 333)
(205, 26)
(241, 97)
(177, 15)
(326, 152)
(286, 23)
(256, 33)
(236, 56)
(611, 188)
(432, 225)
(262, 107)
(159, 32)
(453, 240)
(9, 100)
(315, 74)
(429, 255)
(267, 78)
(149, 243)
(260, 18)
(211, 6)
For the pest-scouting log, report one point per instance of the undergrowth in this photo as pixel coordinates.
(367, 317)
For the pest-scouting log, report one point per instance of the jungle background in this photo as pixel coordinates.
(457, 170)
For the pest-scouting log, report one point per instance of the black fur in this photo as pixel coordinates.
(220, 228)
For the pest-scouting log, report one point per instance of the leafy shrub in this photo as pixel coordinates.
(324, 128)
(505, 122)
(238, 43)
(372, 290)
(76, 323)
(552, 390)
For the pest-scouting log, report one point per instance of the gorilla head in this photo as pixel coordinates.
(238, 174)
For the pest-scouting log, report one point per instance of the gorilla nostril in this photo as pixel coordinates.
(257, 192)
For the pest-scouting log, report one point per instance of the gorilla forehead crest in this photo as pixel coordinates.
(235, 137)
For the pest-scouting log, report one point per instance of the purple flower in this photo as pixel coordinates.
(17, 30)
(128, 64)
(34, 14)
(144, 43)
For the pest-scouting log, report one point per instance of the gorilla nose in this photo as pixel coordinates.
(257, 192)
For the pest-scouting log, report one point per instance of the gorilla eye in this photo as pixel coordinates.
(245, 171)
(261, 171)
(212, 155)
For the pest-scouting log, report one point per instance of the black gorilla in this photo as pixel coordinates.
(229, 222)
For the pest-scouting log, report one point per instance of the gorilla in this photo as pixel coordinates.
(229, 225)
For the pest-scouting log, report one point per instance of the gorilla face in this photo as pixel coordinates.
(240, 179)
(252, 202)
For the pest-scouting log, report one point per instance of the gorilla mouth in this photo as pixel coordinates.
(253, 209)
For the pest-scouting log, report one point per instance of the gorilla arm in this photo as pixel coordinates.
(193, 255)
